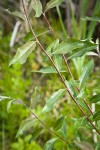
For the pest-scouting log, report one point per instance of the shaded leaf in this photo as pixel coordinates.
(37, 6)
(95, 98)
(25, 125)
(86, 72)
(48, 70)
(58, 61)
(17, 14)
(93, 18)
(78, 123)
(14, 102)
(23, 52)
(81, 103)
(96, 116)
(52, 3)
(53, 99)
(62, 130)
(49, 144)
(59, 123)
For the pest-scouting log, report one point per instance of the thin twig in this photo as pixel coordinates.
(62, 79)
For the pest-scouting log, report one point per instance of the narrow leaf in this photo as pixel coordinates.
(68, 46)
(4, 98)
(70, 88)
(52, 3)
(37, 6)
(86, 72)
(17, 14)
(53, 99)
(49, 144)
(95, 99)
(23, 52)
(78, 123)
(48, 70)
(25, 125)
(14, 102)
(59, 123)
(96, 116)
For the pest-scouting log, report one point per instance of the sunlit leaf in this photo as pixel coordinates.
(70, 88)
(48, 70)
(23, 52)
(52, 3)
(17, 14)
(49, 144)
(96, 116)
(68, 46)
(79, 52)
(4, 98)
(37, 6)
(86, 72)
(25, 125)
(53, 99)
(95, 98)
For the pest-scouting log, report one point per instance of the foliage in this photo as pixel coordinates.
(70, 122)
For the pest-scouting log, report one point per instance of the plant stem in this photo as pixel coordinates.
(64, 58)
(62, 79)
(42, 123)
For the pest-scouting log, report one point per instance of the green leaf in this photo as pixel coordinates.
(52, 3)
(49, 144)
(86, 72)
(25, 125)
(68, 46)
(95, 99)
(53, 99)
(62, 130)
(70, 88)
(23, 52)
(14, 102)
(17, 14)
(3, 98)
(93, 18)
(48, 70)
(78, 123)
(58, 62)
(37, 6)
(81, 103)
(59, 123)
(96, 116)
(79, 52)
(81, 93)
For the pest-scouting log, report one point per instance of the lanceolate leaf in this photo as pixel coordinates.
(86, 72)
(48, 70)
(58, 61)
(4, 98)
(95, 99)
(25, 125)
(93, 18)
(52, 3)
(14, 102)
(17, 14)
(70, 88)
(68, 46)
(88, 46)
(96, 116)
(78, 123)
(23, 52)
(49, 144)
(59, 123)
(37, 6)
(53, 99)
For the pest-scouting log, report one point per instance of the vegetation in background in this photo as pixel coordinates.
(29, 77)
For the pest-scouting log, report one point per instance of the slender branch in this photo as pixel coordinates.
(64, 58)
(62, 79)
(42, 123)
